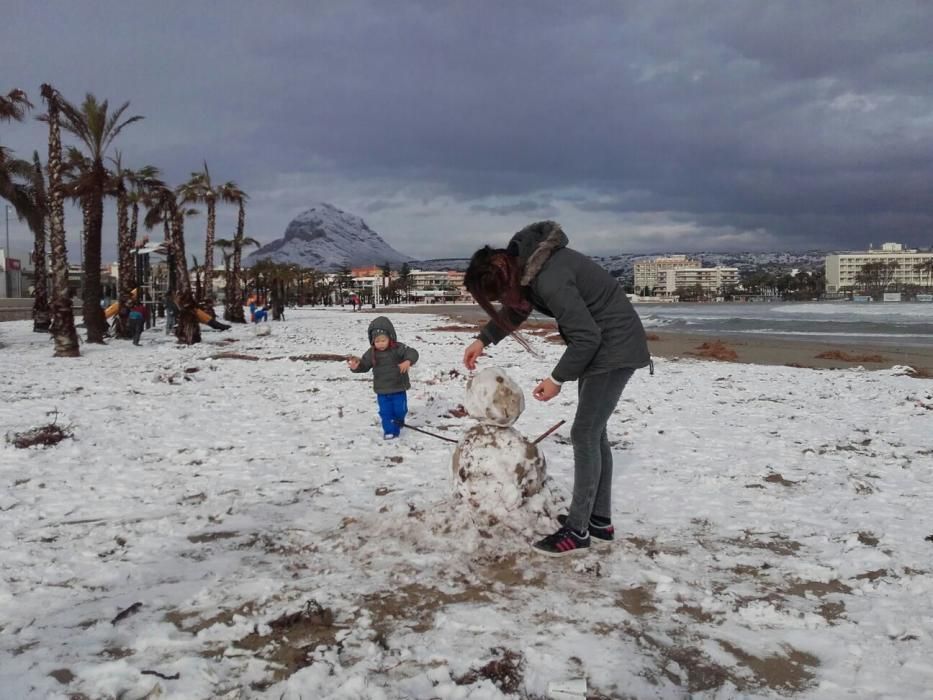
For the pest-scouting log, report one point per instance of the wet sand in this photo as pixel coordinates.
(761, 350)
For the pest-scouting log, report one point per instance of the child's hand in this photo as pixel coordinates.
(353, 362)
(404, 366)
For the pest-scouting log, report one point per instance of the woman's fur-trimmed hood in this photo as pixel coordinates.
(534, 245)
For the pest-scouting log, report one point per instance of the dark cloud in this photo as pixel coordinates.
(525, 206)
(757, 125)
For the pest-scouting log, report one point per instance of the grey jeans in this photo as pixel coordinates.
(592, 456)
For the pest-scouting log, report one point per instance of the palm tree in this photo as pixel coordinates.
(96, 128)
(23, 185)
(63, 322)
(223, 244)
(15, 173)
(126, 269)
(200, 188)
(404, 276)
(233, 310)
(13, 106)
(41, 319)
(165, 210)
(927, 267)
(142, 182)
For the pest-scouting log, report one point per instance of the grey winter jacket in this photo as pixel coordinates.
(593, 314)
(387, 379)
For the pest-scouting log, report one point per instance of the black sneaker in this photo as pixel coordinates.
(601, 534)
(564, 541)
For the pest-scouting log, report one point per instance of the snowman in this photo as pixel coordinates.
(498, 475)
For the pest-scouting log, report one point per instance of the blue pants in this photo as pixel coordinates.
(392, 407)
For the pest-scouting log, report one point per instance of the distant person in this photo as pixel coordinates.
(137, 318)
(171, 312)
(390, 361)
(606, 343)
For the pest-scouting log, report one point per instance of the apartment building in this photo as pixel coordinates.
(649, 271)
(436, 285)
(842, 269)
(712, 280)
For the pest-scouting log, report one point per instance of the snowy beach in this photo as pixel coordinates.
(226, 521)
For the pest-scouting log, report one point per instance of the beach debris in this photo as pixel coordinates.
(173, 677)
(573, 689)
(902, 370)
(233, 356)
(123, 614)
(846, 357)
(716, 350)
(505, 670)
(43, 435)
(403, 424)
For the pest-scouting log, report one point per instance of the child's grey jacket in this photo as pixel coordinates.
(387, 379)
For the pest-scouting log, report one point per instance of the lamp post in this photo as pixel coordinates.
(6, 208)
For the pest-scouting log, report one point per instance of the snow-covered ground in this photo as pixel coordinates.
(776, 530)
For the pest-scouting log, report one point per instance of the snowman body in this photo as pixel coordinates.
(498, 474)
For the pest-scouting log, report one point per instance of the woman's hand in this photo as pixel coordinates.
(472, 352)
(353, 362)
(546, 390)
(404, 366)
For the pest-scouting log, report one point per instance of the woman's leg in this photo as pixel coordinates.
(592, 456)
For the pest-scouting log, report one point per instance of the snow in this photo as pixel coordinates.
(774, 529)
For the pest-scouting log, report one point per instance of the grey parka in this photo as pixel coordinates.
(593, 314)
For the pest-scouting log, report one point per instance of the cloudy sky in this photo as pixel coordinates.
(640, 126)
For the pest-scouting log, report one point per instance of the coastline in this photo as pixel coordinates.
(748, 348)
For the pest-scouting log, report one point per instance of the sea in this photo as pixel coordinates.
(891, 324)
(895, 324)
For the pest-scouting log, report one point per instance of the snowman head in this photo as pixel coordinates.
(494, 398)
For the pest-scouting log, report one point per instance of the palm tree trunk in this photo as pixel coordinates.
(209, 251)
(94, 320)
(63, 322)
(126, 272)
(40, 301)
(134, 225)
(126, 268)
(187, 326)
(234, 305)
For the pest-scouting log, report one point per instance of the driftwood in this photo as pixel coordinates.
(174, 677)
(419, 430)
(44, 435)
(134, 608)
(549, 431)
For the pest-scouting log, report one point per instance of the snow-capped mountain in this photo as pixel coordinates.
(328, 239)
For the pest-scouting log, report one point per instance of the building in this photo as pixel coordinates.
(436, 285)
(712, 280)
(842, 269)
(12, 286)
(648, 272)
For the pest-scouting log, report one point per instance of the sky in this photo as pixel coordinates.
(639, 126)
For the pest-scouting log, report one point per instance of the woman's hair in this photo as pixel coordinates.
(494, 275)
